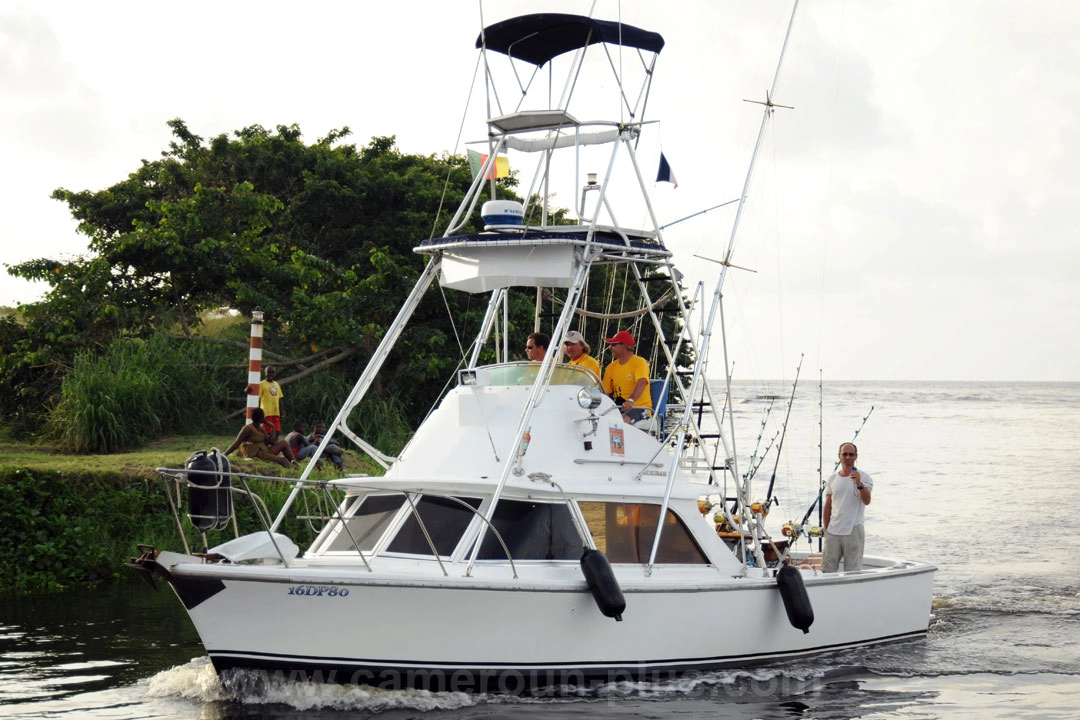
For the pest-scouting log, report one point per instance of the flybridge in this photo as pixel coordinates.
(540, 125)
(528, 256)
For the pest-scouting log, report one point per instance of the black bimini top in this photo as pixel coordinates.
(539, 37)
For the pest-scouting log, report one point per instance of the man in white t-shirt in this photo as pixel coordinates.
(846, 496)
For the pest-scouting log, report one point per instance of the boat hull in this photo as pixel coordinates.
(466, 634)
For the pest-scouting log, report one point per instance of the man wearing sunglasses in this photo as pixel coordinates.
(846, 496)
(536, 346)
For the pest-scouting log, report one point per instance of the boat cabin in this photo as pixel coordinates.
(418, 525)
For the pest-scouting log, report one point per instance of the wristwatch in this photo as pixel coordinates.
(859, 487)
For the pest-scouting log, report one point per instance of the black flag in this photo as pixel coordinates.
(664, 174)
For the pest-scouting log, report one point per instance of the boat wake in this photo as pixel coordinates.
(1016, 598)
(198, 682)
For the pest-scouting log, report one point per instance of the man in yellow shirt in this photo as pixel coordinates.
(577, 350)
(270, 399)
(626, 379)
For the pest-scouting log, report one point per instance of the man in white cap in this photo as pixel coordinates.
(577, 350)
(626, 379)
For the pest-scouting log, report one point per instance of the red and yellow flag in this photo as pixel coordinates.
(501, 168)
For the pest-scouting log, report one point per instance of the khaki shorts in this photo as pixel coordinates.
(848, 547)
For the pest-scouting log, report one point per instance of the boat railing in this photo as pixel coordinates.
(175, 480)
(221, 494)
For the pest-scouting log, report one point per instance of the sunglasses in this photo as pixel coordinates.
(530, 347)
(848, 454)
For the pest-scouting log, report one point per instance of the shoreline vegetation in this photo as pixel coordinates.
(71, 520)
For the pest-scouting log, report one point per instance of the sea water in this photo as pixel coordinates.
(982, 479)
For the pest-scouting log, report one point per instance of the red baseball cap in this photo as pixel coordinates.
(622, 337)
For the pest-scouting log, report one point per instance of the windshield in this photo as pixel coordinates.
(524, 373)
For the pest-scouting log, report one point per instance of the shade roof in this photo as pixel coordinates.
(539, 37)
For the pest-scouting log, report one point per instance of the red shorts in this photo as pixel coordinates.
(274, 420)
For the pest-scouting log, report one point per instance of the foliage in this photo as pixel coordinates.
(135, 390)
(58, 530)
(383, 423)
(62, 526)
(28, 376)
(318, 236)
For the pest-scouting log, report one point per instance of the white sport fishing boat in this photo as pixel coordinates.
(514, 543)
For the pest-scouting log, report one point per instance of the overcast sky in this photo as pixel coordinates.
(913, 218)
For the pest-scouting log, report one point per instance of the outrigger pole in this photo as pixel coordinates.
(703, 350)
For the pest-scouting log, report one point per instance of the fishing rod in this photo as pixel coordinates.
(783, 432)
(755, 459)
(821, 484)
(756, 464)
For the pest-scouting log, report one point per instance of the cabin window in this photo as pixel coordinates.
(445, 520)
(367, 523)
(624, 532)
(532, 531)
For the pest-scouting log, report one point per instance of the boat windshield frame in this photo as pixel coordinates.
(524, 374)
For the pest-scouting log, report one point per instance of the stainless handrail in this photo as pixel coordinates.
(179, 476)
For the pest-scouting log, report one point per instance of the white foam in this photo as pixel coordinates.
(198, 681)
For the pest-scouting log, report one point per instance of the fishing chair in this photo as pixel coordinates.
(654, 425)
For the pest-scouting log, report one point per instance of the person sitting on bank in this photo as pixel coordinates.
(847, 494)
(578, 350)
(536, 346)
(257, 440)
(626, 379)
(299, 444)
(332, 450)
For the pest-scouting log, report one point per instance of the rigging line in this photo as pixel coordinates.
(609, 300)
(766, 114)
(706, 396)
(457, 144)
(829, 184)
(699, 212)
(658, 304)
(453, 325)
(820, 442)
(783, 432)
(717, 305)
(779, 272)
(620, 73)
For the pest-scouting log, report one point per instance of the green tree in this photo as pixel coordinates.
(318, 236)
